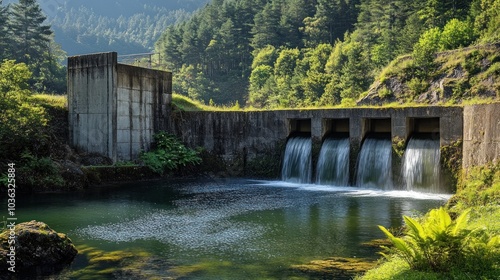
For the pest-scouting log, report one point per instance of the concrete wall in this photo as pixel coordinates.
(234, 135)
(481, 135)
(114, 109)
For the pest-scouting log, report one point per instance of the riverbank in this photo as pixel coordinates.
(479, 257)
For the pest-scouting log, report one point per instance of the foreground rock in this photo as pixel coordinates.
(37, 248)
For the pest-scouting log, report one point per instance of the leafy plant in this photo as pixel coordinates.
(169, 154)
(481, 187)
(440, 244)
(20, 119)
(417, 86)
(39, 172)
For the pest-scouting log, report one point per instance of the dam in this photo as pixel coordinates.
(114, 110)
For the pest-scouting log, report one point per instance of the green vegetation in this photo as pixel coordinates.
(184, 103)
(439, 247)
(32, 130)
(84, 27)
(26, 38)
(168, 154)
(287, 54)
(21, 121)
(480, 188)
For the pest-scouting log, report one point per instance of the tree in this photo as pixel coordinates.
(4, 37)
(261, 80)
(292, 21)
(311, 71)
(436, 13)
(331, 20)
(19, 120)
(487, 21)
(456, 33)
(265, 56)
(31, 36)
(355, 76)
(266, 30)
(426, 47)
(33, 44)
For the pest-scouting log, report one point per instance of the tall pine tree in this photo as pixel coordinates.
(31, 36)
(4, 38)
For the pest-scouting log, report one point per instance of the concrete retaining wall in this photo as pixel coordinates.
(481, 135)
(243, 136)
(114, 109)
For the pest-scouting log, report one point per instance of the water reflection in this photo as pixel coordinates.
(247, 225)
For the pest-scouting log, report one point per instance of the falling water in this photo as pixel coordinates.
(374, 167)
(420, 167)
(333, 162)
(297, 164)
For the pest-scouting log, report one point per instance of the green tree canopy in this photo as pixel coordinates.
(19, 120)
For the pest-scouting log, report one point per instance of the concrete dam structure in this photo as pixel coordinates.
(115, 109)
(241, 137)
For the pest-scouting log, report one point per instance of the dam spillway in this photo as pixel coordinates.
(297, 164)
(374, 166)
(421, 169)
(110, 114)
(333, 162)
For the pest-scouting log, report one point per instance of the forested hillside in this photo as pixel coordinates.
(26, 38)
(123, 26)
(277, 53)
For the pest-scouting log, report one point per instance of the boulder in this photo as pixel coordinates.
(37, 248)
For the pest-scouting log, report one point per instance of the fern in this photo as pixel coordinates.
(439, 243)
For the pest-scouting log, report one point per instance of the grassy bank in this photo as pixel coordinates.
(469, 248)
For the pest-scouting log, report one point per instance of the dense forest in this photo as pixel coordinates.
(277, 53)
(26, 38)
(97, 26)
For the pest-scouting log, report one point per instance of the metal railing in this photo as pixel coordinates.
(146, 60)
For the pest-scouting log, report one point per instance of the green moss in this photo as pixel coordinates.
(397, 269)
(451, 162)
(480, 187)
(384, 93)
(206, 267)
(53, 101)
(335, 267)
(122, 264)
(268, 164)
(398, 149)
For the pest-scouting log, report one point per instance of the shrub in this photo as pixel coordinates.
(21, 121)
(417, 86)
(456, 34)
(169, 154)
(481, 187)
(472, 62)
(384, 93)
(38, 172)
(439, 244)
(426, 47)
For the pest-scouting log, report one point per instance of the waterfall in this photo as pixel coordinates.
(374, 167)
(333, 162)
(297, 163)
(421, 166)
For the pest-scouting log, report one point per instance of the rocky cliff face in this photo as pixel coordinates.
(454, 77)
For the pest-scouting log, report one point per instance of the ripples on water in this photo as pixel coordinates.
(249, 225)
